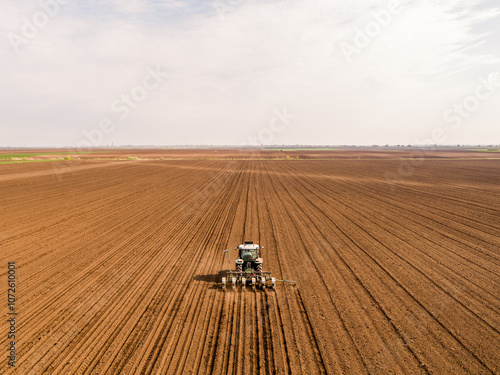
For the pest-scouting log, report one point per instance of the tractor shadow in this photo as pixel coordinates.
(213, 279)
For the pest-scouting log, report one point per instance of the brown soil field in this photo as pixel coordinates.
(119, 263)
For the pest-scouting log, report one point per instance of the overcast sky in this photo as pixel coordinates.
(153, 72)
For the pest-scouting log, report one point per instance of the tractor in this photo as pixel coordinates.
(248, 269)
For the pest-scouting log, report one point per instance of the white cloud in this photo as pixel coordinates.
(227, 75)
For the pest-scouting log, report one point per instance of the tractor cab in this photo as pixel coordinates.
(248, 257)
(248, 251)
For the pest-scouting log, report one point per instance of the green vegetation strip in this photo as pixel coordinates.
(29, 155)
(301, 149)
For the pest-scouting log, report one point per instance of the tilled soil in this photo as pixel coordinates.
(119, 266)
